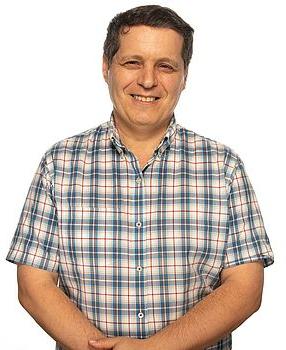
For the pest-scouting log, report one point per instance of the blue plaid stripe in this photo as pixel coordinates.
(134, 248)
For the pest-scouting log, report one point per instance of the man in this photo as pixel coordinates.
(139, 233)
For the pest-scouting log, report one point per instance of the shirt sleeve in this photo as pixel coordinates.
(247, 240)
(35, 241)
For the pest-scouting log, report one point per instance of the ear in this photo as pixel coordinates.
(105, 68)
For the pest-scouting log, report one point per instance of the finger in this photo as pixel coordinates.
(95, 347)
(102, 343)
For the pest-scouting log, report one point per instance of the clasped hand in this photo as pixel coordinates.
(120, 343)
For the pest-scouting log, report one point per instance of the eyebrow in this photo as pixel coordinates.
(163, 59)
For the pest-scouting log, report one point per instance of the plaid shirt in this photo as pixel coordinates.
(135, 248)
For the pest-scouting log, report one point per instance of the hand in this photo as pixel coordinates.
(120, 343)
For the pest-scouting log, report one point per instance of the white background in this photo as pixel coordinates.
(51, 88)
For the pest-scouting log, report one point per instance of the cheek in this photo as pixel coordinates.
(121, 81)
(173, 86)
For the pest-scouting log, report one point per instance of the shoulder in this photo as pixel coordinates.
(78, 142)
(208, 149)
(69, 148)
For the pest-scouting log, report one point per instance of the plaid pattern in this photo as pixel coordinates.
(134, 248)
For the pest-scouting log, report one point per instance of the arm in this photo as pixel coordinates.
(53, 310)
(238, 297)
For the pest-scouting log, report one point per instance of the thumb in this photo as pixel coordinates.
(103, 343)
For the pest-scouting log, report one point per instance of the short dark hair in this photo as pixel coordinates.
(149, 15)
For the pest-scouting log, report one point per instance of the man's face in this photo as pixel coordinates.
(146, 76)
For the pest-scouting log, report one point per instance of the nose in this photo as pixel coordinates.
(147, 77)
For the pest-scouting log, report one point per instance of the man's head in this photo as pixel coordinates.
(146, 56)
(153, 16)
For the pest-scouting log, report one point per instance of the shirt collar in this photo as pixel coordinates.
(165, 142)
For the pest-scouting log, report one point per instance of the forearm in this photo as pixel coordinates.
(59, 317)
(208, 321)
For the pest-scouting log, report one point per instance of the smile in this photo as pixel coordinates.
(145, 98)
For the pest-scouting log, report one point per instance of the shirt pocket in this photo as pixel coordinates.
(95, 239)
(85, 221)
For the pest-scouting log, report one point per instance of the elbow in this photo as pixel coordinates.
(254, 304)
(33, 284)
(250, 300)
(23, 297)
(257, 304)
(28, 295)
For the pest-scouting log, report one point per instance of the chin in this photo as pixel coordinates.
(146, 117)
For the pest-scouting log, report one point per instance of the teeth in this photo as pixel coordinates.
(144, 99)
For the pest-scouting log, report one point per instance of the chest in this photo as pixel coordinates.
(175, 207)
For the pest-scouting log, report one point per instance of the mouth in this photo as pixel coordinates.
(145, 99)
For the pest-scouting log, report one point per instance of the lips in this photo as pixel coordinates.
(145, 98)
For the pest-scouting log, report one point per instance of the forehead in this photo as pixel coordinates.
(145, 41)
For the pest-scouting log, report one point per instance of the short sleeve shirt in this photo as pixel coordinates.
(136, 248)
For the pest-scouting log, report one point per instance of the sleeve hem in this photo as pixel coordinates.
(267, 261)
(43, 265)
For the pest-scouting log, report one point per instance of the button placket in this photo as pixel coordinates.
(139, 180)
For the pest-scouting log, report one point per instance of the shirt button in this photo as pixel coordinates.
(138, 180)
(138, 224)
(140, 315)
(139, 268)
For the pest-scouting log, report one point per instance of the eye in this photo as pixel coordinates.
(131, 63)
(166, 67)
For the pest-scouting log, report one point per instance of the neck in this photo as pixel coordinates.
(142, 138)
